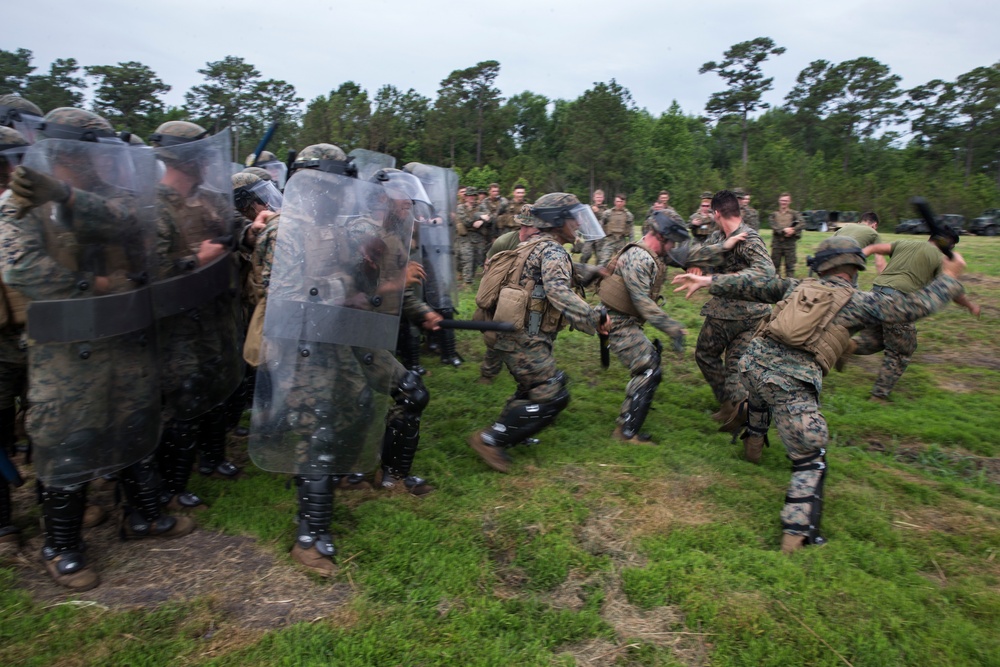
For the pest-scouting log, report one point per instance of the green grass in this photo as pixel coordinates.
(587, 537)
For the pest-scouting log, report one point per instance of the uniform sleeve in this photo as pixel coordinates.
(556, 269)
(798, 222)
(867, 308)
(638, 271)
(752, 287)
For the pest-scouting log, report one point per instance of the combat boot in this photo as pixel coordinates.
(143, 516)
(732, 417)
(415, 486)
(62, 517)
(314, 548)
(637, 439)
(352, 482)
(492, 455)
(792, 543)
(753, 448)
(93, 515)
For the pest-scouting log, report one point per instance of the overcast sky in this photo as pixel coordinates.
(555, 48)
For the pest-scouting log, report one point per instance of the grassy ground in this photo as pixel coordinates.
(591, 552)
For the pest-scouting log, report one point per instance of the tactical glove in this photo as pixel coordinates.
(37, 188)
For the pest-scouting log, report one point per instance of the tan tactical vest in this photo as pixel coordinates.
(804, 321)
(617, 222)
(615, 295)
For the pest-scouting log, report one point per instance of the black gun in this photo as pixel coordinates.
(942, 237)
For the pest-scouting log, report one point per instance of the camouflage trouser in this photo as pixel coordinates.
(529, 359)
(609, 246)
(590, 249)
(899, 342)
(471, 251)
(794, 406)
(492, 363)
(13, 368)
(783, 250)
(634, 350)
(729, 338)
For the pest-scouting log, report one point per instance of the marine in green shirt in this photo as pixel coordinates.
(866, 234)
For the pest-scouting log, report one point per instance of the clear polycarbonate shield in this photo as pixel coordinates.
(94, 394)
(25, 123)
(436, 234)
(332, 316)
(278, 171)
(13, 155)
(587, 225)
(268, 194)
(196, 295)
(369, 162)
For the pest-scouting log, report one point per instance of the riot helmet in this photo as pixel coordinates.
(553, 210)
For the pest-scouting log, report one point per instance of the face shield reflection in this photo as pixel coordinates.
(587, 225)
(268, 194)
(278, 171)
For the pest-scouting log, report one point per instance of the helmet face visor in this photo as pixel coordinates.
(587, 225)
(268, 194)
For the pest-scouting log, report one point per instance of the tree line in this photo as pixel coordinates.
(846, 136)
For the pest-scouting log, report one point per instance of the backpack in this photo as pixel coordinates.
(501, 297)
(804, 320)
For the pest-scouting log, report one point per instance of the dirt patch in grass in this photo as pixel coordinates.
(249, 586)
(969, 356)
(670, 502)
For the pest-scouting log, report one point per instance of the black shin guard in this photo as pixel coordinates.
(640, 399)
(140, 482)
(212, 431)
(409, 347)
(175, 456)
(522, 419)
(402, 433)
(449, 353)
(62, 515)
(815, 461)
(315, 494)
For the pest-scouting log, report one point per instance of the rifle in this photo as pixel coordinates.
(942, 239)
(263, 144)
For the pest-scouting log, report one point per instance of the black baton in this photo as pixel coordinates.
(475, 325)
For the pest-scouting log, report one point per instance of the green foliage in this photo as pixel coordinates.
(15, 67)
(127, 94)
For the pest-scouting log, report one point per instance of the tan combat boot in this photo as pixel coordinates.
(80, 580)
(637, 439)
(493, 456)
(732, 416)
(753, 448)
(313, 560)
(791, 543)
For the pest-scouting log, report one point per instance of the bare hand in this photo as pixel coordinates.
(209, 250)
(695, 271)
(953, 267)
(975, 309)
(690, 283)
(431, 320)
(731, 242)
(477, 224)
(415, 273)
(788, 231)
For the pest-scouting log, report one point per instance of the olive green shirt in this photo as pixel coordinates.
(863, 234)
(507, 241)
(912, 265)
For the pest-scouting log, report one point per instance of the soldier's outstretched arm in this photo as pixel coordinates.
(638, 271)
(870, 308)
(557, 282)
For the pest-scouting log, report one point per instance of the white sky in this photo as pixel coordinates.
(557, 48)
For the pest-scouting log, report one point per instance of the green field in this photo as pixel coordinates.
(591, 552)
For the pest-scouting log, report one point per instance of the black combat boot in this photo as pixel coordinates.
(62, 515)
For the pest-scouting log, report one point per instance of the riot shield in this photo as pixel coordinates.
(369, 162)
(94, 394)
(332, 312)
(278, 171)
(436, 233)
(196, 296)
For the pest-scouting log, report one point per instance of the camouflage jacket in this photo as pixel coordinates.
(750, 217)
(508, 219)
(599, 213)
(639, 271)
(494, 208)
(790, 218)
(550, 265)
(863, 309)
(702, 225)
(183, 223)
(30, 246)
(749, 258)
(618, 223)
(465, 216)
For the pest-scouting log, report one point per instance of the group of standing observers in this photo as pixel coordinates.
(149, 293)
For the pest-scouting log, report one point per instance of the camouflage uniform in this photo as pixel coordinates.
(786, 381)
(898, 339)
(592, 248)
(729, 324)
(702, 226)
(470, 243)
(783, 247)
(541, 388)
(750, 217)
(618, 225)
(495, 209)
(643, 276)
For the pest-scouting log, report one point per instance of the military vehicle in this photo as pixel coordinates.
(828, 221)
(918, 226)
(988, 224)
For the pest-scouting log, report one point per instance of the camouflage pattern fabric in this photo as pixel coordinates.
(494, 208)
(619, 227)
(751, 218)
(13, 365)
(783, 247)
(720, 345)
(702, 226)
(470, 243)
(592, 249)
(529, 357)
(899, 342)
(789, 380)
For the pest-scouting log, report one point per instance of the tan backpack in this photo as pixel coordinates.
(804, 321)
